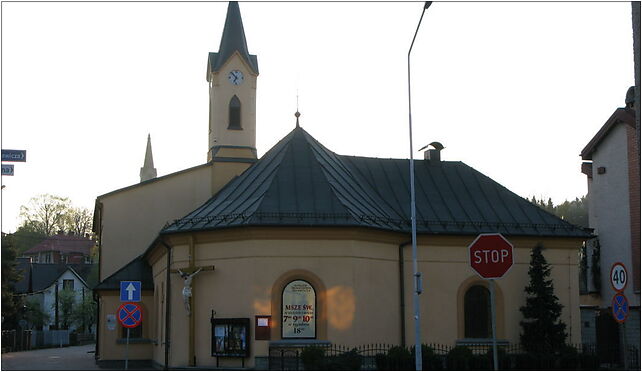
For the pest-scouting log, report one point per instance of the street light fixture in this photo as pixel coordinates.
(413, 214)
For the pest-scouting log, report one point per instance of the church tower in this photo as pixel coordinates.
(232, 75)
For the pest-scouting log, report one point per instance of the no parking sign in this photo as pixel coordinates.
(130, 315)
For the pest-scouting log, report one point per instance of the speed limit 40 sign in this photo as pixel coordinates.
(618, 276)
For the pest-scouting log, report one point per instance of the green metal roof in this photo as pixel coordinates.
(233, 39)
(299, 182)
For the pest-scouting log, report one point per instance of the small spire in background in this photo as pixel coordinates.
(148, 172)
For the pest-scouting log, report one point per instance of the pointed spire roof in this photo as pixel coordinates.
(233, 40)
(147, 172)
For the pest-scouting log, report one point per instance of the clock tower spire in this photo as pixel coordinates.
(232, 73)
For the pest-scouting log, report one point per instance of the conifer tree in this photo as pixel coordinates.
(542, 330)
(11, 304)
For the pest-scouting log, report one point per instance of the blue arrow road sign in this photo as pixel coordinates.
(130, 291)
(620, 306)
(7, 169)
(14, 155)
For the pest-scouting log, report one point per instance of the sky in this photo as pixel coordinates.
(515, 90)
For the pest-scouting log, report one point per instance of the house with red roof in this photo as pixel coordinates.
(62, 248)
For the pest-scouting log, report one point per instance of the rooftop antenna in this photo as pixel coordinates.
(297, 113)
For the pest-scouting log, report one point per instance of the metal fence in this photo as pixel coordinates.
(50, 338)
(448, 357)
(16, 340)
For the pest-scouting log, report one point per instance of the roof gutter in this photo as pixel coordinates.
(402, 291)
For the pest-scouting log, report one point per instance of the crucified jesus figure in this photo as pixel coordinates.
(187, 288)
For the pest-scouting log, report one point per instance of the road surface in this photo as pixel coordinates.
(72, 358)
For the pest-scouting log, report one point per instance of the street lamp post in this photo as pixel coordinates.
(413, 214)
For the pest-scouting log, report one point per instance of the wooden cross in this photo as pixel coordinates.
(189, 273)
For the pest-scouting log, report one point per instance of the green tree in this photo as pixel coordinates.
(542, 330)
(574, 211)
(34, 314)
(66, 304)
(84, 314)
(27, 236)
(46, 213)
(11, 304)
(79, 220)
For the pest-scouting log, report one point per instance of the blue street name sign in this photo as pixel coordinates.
(14, 155)
(7, 169)
(130, 291)
(620, 307)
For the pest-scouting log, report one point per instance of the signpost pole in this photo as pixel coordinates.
(493, 316)
(127, 350)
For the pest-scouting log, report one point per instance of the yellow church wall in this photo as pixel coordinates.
(359, 300)
(223, 172)
(131, 218)
(446, 268)
(111, 344)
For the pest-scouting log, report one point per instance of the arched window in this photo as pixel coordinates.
(477, 312)
(235, 113)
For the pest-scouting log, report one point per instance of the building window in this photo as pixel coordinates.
(477, 323)
(46, 257)
(136, 332)
(235, 114)
(68, 284)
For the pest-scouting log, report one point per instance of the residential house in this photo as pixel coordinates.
(43, 282)
(62, 248)
(612, 168)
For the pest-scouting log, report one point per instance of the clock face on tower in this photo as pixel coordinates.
(235, 77)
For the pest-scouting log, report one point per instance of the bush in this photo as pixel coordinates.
(312, 358)
(397, 359)
(569, 359)
(459, 358)
(349, 361)
(503, 362)
(429, 360)
(589, 361)
(525, 362)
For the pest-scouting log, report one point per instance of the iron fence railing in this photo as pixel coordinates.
(16, 340)
(448, 357)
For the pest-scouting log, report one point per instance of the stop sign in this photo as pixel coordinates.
(491, 255)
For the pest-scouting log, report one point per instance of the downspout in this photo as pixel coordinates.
(167, 303)
(97, 300)
(402, 291)
(56, 308)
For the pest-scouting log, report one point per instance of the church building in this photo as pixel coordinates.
(240, 255)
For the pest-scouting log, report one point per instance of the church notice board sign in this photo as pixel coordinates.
(298, 310)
